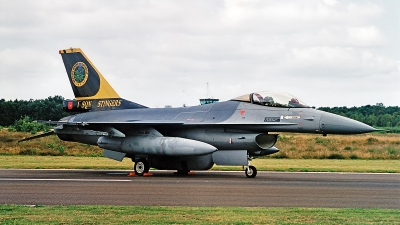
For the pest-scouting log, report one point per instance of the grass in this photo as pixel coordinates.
(14, 214)
(62, 162)
(293, 146)
(301, 165)
(364, 146)
(50, 145)
(353, 153)
(328, 165)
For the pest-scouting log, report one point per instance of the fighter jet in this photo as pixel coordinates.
(187, 138)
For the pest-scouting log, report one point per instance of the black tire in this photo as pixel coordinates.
(251, 172)
(183, 172)
(141, 167)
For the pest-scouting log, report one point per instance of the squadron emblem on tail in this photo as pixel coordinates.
(79, 74)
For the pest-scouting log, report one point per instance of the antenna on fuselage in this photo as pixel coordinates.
(208, 91)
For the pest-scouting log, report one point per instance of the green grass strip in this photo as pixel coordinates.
(300, 165)
(15, 214)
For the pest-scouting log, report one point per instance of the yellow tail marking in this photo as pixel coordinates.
(105, 90)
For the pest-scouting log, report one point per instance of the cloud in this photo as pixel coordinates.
(164, 52)
(365, 36)
(339, 62)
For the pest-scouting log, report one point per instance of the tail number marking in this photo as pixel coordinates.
(109, 103)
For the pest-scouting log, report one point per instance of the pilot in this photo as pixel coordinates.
(268, 101)
(294, 103)
(257, 99)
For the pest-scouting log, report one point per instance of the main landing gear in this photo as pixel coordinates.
(250, 171)
(141, 166)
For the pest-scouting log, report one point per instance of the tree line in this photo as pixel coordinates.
(51, 109)
(374, 115)
(40, 109)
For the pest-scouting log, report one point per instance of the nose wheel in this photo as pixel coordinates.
(251, 172)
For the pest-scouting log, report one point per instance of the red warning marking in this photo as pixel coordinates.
(242, 112)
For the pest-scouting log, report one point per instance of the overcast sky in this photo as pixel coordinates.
(157, 53)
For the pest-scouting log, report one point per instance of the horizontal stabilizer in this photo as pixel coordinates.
(37, 136)
(56, 123)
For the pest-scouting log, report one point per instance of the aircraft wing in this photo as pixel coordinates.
(130, 122)
(162, 122)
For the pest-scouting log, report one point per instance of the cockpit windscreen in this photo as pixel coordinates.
(274, 99)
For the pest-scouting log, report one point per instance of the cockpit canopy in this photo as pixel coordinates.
(274, 99)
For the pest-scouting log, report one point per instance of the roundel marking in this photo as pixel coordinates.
(79, 74)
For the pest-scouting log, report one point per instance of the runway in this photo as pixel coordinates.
(208, 188)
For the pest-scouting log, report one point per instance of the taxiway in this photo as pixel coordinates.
(208, 188)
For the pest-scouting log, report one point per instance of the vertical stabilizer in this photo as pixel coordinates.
(92, 92)
(86, 81)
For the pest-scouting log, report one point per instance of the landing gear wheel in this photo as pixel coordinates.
(183, 172)
(141, 166)
(251, 172)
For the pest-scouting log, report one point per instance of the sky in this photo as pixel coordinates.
(157, 53)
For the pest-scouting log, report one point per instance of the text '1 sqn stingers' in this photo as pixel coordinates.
(187, 138)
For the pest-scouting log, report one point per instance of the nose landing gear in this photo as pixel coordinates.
(250, 171)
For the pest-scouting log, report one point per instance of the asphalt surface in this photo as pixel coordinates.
(208, 188)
